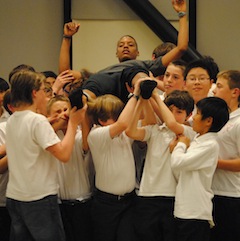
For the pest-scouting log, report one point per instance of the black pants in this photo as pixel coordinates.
(192, 230)
(226, 215)
(153, 219)
(5, 224)
(76, 217)
(112, 217)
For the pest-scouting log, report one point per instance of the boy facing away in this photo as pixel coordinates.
(32, 149)
(195, 163)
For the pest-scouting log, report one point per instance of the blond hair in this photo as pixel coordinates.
(105, 107)
(54, 100)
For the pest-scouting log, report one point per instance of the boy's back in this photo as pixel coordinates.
(29, 134)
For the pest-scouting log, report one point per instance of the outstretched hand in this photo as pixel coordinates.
(179, 5)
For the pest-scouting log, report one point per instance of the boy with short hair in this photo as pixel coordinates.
(74, 177)
(154, 218)
(226, 180)
(173, 78)
(32, 148)
(113, 160)
(195, 163)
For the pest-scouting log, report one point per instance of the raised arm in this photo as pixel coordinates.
(64, 58)
(142, 107)
(149, 117)
(86, 127)
(167, 116)
(125, 117)
(179, 6)
(63, 150)
(133, 131)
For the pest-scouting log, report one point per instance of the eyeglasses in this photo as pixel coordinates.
(201, 79)
(47, 90)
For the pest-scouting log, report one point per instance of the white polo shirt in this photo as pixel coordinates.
(227, 183)
(196, 166)
(158, 178)
(32, 169)
(75, 175)
(113, 161)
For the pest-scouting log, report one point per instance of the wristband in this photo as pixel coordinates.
(67, 36)
(181, 14)
(133, 95)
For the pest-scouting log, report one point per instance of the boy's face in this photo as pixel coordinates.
(173, 79)
(126, 49)
(180, 115)
(50, 80)
(222, 90)
(200, 126)
(41, 100)
(198, 83)
(61, 110)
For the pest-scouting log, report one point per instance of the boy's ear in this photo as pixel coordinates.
(101, 122)
(209, 121)
(34, 93)
(129, 89)
(236, 92)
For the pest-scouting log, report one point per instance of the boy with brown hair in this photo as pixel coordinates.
(226, 181)
(32, 148)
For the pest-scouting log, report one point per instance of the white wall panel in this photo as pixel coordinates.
(31, 33)
(218, 31)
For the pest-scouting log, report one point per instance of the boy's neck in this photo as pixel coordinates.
(26, 107)
(234, 105)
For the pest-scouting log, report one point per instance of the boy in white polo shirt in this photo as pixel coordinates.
(226, 181)
(154, 218)
(32, 148)
(114, 165)
(74, 177)
(195, 163)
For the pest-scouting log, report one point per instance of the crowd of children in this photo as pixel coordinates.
(129, 163)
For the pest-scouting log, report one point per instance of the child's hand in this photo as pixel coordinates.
(138, 83)
(179, 138)
(70, 28)
(184, 139)
(179, 5)
(137, 86)
(77, 116)
(62, 79)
